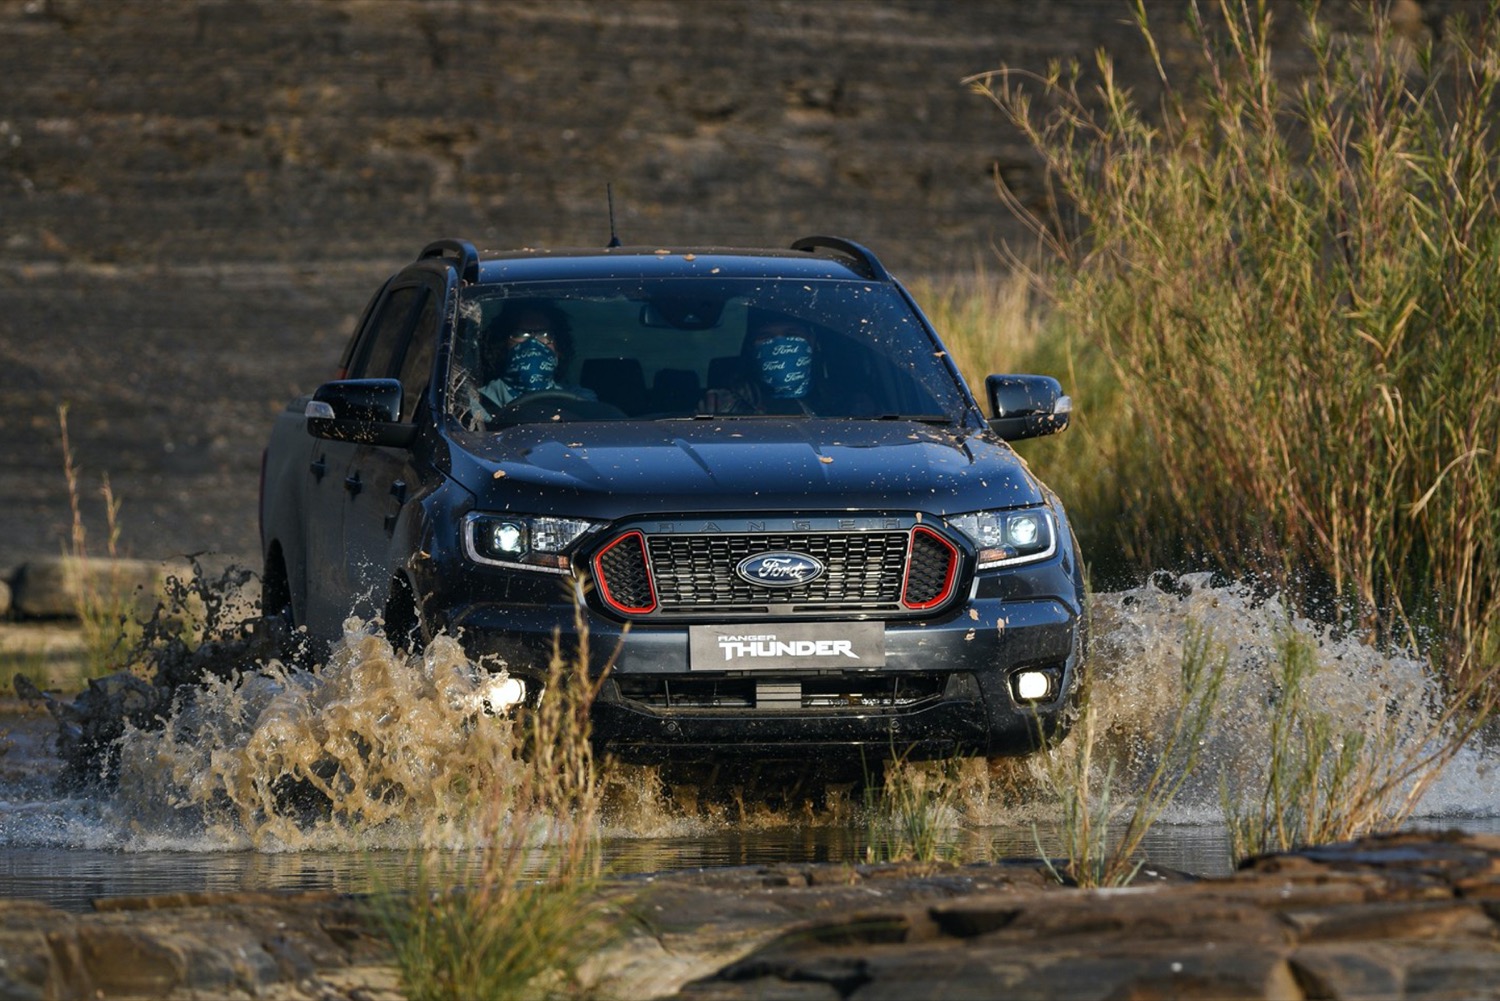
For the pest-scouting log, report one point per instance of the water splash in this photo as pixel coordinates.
(376, 749)
(1388, 696)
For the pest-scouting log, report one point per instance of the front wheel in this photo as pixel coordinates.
(277, 617)
(403, 623)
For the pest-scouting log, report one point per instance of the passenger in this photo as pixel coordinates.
(525, 347)
(776, 369)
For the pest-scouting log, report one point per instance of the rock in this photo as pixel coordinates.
(205, 945)
(51, 587)
(1407, 918)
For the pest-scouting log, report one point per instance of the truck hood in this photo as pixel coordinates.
(611, 470)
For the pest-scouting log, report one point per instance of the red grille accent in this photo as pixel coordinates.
(931, 570)
(623, 576)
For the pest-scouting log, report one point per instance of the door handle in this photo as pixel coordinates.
(318, 467)
(352, 484)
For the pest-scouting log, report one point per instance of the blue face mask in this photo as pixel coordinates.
(785, 365)
(530, 367)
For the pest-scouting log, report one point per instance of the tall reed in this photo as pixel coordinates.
(1296, 293)
(104, 604)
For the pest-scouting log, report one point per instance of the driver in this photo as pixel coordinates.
(776, 365)
(527, 345)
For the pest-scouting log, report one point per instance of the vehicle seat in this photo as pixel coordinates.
(619, 381)
(675, 390)
(723, 372)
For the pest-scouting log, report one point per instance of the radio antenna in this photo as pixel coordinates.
(609, 193)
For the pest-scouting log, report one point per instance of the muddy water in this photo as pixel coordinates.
(329, 779)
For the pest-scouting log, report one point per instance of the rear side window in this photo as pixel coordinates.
(376, 356)
(416, 367)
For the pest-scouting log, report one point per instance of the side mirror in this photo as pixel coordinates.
(367, 411)
(1026, 406)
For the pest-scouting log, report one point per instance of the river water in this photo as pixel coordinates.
(201, 804)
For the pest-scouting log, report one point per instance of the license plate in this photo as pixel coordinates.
(778, 646)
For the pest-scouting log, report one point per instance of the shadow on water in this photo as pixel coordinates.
(394, 753)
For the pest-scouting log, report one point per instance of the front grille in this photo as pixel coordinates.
(697, 571)
(889, 572)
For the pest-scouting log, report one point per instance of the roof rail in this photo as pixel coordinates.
(866, 260)
(462, 252)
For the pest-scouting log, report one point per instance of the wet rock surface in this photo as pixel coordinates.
(1403, 916)
(1399, 916)
(217, 945)
(1407, 915)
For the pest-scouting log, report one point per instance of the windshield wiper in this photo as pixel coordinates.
(942, 419)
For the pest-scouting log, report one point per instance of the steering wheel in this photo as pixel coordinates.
(550, 396)
(554, 404)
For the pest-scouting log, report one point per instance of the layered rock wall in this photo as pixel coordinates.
(197, 196)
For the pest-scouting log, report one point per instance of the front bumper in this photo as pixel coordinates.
(945, 688)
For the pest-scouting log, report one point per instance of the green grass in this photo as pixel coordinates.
(909, 813)
(1278, 313)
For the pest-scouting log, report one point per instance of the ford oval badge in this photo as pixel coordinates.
(780, 569)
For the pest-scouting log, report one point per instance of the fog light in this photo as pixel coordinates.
(1032, 686)
(504, 692)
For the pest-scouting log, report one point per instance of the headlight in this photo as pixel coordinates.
(1005, 538)
(524, 540)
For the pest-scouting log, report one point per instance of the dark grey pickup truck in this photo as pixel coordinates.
(790, 527)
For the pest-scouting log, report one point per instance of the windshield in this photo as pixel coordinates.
(677, 349)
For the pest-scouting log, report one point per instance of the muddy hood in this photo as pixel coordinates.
(620, 469)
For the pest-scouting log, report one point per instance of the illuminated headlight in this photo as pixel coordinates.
(524, 540)
(1009, 537)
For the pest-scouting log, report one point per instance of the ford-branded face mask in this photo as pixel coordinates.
(785, 365)
(530, 367)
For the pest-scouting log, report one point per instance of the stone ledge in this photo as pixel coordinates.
(54, 587)
(1415, 915)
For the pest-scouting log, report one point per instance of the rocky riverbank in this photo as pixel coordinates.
(1411, 915)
